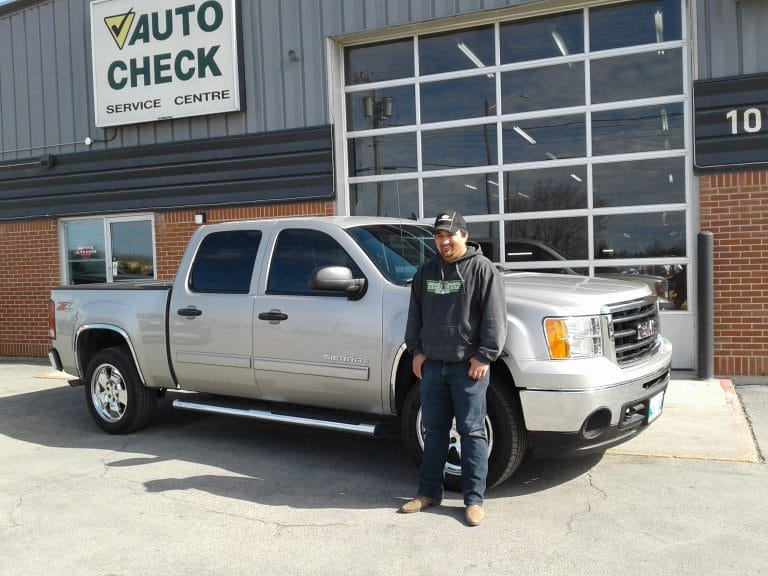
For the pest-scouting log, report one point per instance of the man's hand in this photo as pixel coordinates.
(477, 368)
(418, 362)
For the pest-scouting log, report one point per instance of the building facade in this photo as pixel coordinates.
(576, 137)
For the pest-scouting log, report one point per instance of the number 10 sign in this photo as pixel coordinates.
(731, 122)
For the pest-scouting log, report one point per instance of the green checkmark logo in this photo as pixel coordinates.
(119, 26)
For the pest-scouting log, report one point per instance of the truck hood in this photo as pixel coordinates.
(577, 294)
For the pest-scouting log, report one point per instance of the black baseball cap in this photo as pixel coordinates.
(451, 221)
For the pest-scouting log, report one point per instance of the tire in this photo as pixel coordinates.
(503, 425)
(116, 398)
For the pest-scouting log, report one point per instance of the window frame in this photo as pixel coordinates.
(106, 221)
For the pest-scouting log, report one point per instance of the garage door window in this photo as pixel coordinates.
(566, 130)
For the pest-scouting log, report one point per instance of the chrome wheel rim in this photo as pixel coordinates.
(108, 393)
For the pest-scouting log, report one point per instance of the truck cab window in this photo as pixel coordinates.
(298, 254)
(224, 262)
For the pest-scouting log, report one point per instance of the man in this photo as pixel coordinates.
(457, 325)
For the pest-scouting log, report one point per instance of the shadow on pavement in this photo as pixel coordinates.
(269, 463)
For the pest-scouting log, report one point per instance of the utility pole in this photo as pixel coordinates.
(378, 111)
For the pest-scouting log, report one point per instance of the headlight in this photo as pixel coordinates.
(578, 337)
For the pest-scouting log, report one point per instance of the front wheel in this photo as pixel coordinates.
(116, 398)
(503, 426)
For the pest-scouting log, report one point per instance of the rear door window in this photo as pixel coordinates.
(224, 262)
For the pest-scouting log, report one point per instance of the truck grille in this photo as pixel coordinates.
(635, 329)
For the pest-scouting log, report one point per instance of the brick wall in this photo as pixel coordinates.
(29, 265)
(734, 207)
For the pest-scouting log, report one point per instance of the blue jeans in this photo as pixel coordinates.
(447, 391)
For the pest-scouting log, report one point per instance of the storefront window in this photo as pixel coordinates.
(651, 235)
(114, 249)
(471, 97)
(377, 62)
(454, 51)
(383, 154)
(395, 198)
(538, 38)
(555, 239)
(634, 24)
(644, 129)
(561, 137)
(646, 75)
(86, 251)
(468, 193)
(658, 181)
(545, 189)
(545, 139)
(462, 147)
(532, 89)
(393, 106)
(132, 251)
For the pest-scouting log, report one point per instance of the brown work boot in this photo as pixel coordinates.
(475, 514)
(418, 504)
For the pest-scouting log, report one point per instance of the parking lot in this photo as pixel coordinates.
(203, 494)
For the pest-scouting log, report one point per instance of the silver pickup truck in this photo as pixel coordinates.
(302, 321)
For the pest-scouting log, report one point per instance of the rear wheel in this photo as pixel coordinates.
(116, 398)
(503, 426)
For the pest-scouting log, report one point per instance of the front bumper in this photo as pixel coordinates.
(582, 419)
(591, 439)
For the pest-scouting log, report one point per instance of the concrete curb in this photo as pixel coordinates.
(702, 419)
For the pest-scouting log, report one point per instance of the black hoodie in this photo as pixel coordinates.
(458, 309)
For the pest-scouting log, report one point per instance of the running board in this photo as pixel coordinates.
(355, 427)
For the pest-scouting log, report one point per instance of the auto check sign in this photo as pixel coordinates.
(162, 60)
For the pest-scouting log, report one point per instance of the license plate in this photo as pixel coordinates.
(655, 405)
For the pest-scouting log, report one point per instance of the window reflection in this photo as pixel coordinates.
(644, 75)
(453, 51)
(545, 37)
(486, 234)
(544, 139)
(540, 88)
(634, 24)
(460, 98)
(550, 189)
(459, 147)
(667, 281)
(382, 154)
(394, 106)
(397, 198)
(555, 239)
(378, 62)
(468, 193)
(638, 129)
(653, 235)
(86, 251)
(659, 181)
(132, 255)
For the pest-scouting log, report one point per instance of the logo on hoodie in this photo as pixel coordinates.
(443, 286)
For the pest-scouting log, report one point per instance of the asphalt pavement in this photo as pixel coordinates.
(204, 494)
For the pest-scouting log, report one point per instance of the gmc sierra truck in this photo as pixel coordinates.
(301, 320)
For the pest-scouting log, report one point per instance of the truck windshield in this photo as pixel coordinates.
(396, 250)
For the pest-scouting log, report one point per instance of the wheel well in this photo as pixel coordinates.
(93, 341)
(404, 380)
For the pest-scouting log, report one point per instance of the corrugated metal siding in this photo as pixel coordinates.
(247, 169)
(46, 89)
(45, 70)
(732, 37)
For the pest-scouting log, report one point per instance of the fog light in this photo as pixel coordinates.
(597, 423)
